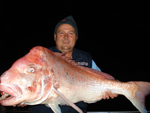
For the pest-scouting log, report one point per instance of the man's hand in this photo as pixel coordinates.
(20, 105)
(109, 94)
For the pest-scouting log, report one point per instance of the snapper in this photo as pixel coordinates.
(45, 77)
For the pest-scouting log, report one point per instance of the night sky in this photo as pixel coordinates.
(115, 34)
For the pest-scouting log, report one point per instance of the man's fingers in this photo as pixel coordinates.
(112, 95)
(105, 96)
(108, 94)
(22, 105)
(14, 105)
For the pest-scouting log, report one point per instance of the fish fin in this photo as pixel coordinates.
(54, 106)
(89, 70)
(68, 59)
(98, 73)
(139, 99)
(67, 101)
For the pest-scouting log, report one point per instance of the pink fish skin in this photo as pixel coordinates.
(45, 77)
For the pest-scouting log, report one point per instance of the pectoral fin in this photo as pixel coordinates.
(54, 106)
(67, 101)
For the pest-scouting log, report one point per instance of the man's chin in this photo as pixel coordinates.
(66, 49)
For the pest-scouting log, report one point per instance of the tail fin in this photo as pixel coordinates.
(139, 100)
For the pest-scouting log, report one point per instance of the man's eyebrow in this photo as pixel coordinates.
(60, 31)
(72, 31)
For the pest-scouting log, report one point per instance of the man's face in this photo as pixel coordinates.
(65, 38)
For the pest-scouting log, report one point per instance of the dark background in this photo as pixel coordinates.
(116, 34)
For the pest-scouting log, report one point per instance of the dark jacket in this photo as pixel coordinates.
(84, 59)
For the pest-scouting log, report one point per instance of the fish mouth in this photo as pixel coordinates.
(7, 95)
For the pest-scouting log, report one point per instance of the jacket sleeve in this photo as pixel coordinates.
(94, 66)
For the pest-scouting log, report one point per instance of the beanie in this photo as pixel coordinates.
(67, 20)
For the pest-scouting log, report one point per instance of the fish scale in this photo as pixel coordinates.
(45, 77)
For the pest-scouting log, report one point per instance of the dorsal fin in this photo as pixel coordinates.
(68, 59)
(100, 74)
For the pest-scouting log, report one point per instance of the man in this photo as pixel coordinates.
(65, 36)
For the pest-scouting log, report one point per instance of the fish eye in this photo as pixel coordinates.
(31, 70)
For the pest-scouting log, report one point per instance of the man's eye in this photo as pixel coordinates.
(31, 70)
(61, 33)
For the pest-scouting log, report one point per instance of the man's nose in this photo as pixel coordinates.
(66, 35)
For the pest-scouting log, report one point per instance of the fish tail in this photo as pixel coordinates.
(138, 100)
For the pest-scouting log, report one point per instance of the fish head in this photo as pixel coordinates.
(29, 79)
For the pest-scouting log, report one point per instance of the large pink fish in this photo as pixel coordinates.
(45, 77)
